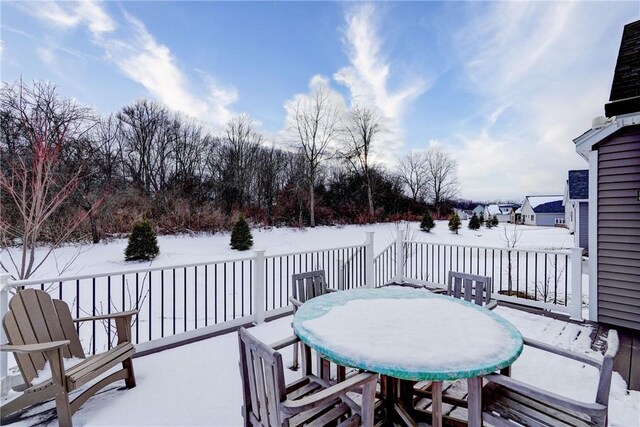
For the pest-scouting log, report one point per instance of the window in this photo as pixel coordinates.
(532, 218)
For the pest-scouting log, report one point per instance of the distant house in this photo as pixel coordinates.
(501, 211)
(612, 148)
(462, 214)
(576, 207)
(478, 210)
(516, 216)
(542, 210)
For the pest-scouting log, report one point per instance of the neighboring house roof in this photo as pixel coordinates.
(625, 89)
(500, 209)
(550, 207)
(536, 201)
(579, 184)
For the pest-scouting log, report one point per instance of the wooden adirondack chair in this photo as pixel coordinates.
(268, 402)
(41, 330)
(506, 400)
(305, 286)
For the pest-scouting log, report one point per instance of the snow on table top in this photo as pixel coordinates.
(408, 333)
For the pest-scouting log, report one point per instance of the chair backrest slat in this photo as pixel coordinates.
(68, 329)
(34, 317)
(305, 286)
(471, 287)
(27, 367)
(263, 384)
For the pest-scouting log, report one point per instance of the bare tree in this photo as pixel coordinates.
(414, 174)
(510, 240)
(360, 128)
(34, 179)
(441, 177)
(314, 124)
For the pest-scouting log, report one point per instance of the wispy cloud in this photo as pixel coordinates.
(368, 75)
(139, 56)
(541, 72)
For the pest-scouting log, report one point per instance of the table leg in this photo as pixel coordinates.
(436, 404)
(475, 405)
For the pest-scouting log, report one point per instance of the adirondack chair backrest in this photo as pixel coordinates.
(35, 318)
(604, 382)
(263, 383)
(471, 287)
(308, 285)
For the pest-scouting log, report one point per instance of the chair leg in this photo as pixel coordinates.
(130, 381)
(63, 409)
(295, 365)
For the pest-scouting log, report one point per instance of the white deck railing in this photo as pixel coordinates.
(187, 302)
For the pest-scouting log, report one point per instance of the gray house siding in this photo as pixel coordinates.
(583, 214)
(619, 229)
(547, 219)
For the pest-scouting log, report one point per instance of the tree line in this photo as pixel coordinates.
(67, 172)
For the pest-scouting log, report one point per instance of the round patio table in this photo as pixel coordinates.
(410, 334)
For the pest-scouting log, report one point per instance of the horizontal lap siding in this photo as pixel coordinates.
(619, 230)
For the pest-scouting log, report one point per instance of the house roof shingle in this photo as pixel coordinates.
(550, 207)
(579, 184)
(625, 89)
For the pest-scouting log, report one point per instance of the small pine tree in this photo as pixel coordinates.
(481, 218)
(241, 238)
(454, 223)
(494, 221)
(488, 223)
(474, 222)
(427, 223)
(143, 243)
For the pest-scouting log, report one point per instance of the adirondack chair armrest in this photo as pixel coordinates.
(296, 303)
(107, 316)
(564, 353)
(328, 394)
(547, 396)
(285, 342)
(34, 348)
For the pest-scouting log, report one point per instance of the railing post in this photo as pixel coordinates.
(4, 308)
(341, 265)
(368, 243)
(576, 284)
(258, 287)
(399, 278)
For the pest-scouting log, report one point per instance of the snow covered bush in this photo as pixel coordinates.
(143, 244)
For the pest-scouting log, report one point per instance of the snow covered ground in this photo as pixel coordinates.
(199, 384)
(185, 249)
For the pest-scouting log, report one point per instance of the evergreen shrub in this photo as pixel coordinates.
(427, 223)
(474, 222)
(454, 223)
(143, 243)
(241, 238)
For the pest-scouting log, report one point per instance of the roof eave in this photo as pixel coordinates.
(585, 142)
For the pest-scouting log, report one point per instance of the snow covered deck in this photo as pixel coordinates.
(199, 384)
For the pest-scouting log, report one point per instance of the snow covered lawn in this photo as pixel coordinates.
(185, 249)
(199, 384)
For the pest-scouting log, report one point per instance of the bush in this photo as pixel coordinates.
(143, 243)
(454, 223)
(481, 218)
(494, 221)
(488, 223)
(474, 222)
(427, 223)
(241, 238)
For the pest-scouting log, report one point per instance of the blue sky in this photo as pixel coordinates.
(503, 87)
